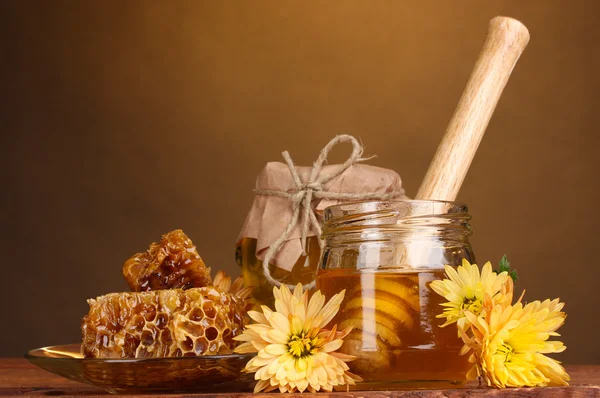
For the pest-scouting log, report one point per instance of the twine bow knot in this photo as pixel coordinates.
(315, 186)
(304, 192)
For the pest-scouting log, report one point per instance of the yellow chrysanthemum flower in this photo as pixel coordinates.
(295, 353)
(508, 345)
(468, 290)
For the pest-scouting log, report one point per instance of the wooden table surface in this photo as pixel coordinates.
(18, 377)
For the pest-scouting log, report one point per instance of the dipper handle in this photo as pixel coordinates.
(505, 41)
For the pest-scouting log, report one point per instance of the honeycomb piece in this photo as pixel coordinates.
(173, 263)
(163, 323)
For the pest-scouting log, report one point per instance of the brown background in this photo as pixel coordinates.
(123, 120)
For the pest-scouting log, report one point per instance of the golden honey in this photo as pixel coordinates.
(252, 269)
(396, 336)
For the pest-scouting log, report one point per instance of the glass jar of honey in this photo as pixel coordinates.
(385, 255)
(283, 223)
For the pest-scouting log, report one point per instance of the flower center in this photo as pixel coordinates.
(300, 345)
(472, 304)
(507, 351)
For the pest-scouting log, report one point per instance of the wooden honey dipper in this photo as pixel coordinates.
(505, 41)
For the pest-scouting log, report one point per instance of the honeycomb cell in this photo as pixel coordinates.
(211, 333)
(162, 323)
(187, 344)
(209, 310)
(172, 263)
(138, 323)
(200, 346)
(147, 338)
(193, 329)
(149, 312)
(196, 315)
(165, 337)
(161, 320)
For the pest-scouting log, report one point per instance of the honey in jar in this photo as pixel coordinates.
(303, 270)
(385, 256)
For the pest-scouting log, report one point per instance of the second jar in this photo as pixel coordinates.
(385, 255)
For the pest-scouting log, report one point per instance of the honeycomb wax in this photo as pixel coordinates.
(172, 263)
(163, 323)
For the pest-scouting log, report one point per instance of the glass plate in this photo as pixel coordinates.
(216, 373)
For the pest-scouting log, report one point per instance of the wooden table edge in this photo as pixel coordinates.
(20, 378)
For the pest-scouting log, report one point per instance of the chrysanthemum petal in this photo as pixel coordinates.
(279, 322)
(298, 292)
(260, 385)
(330, 309)
(278, 336)
(315, 305)
(257, 317)
(245, 348)
(259, 344)
(332, 346)
(276, 349)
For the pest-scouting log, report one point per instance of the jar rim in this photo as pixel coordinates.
(374, 205)
(420, 201)
(398, 214)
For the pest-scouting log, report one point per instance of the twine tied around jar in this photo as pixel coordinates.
(304, 192)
